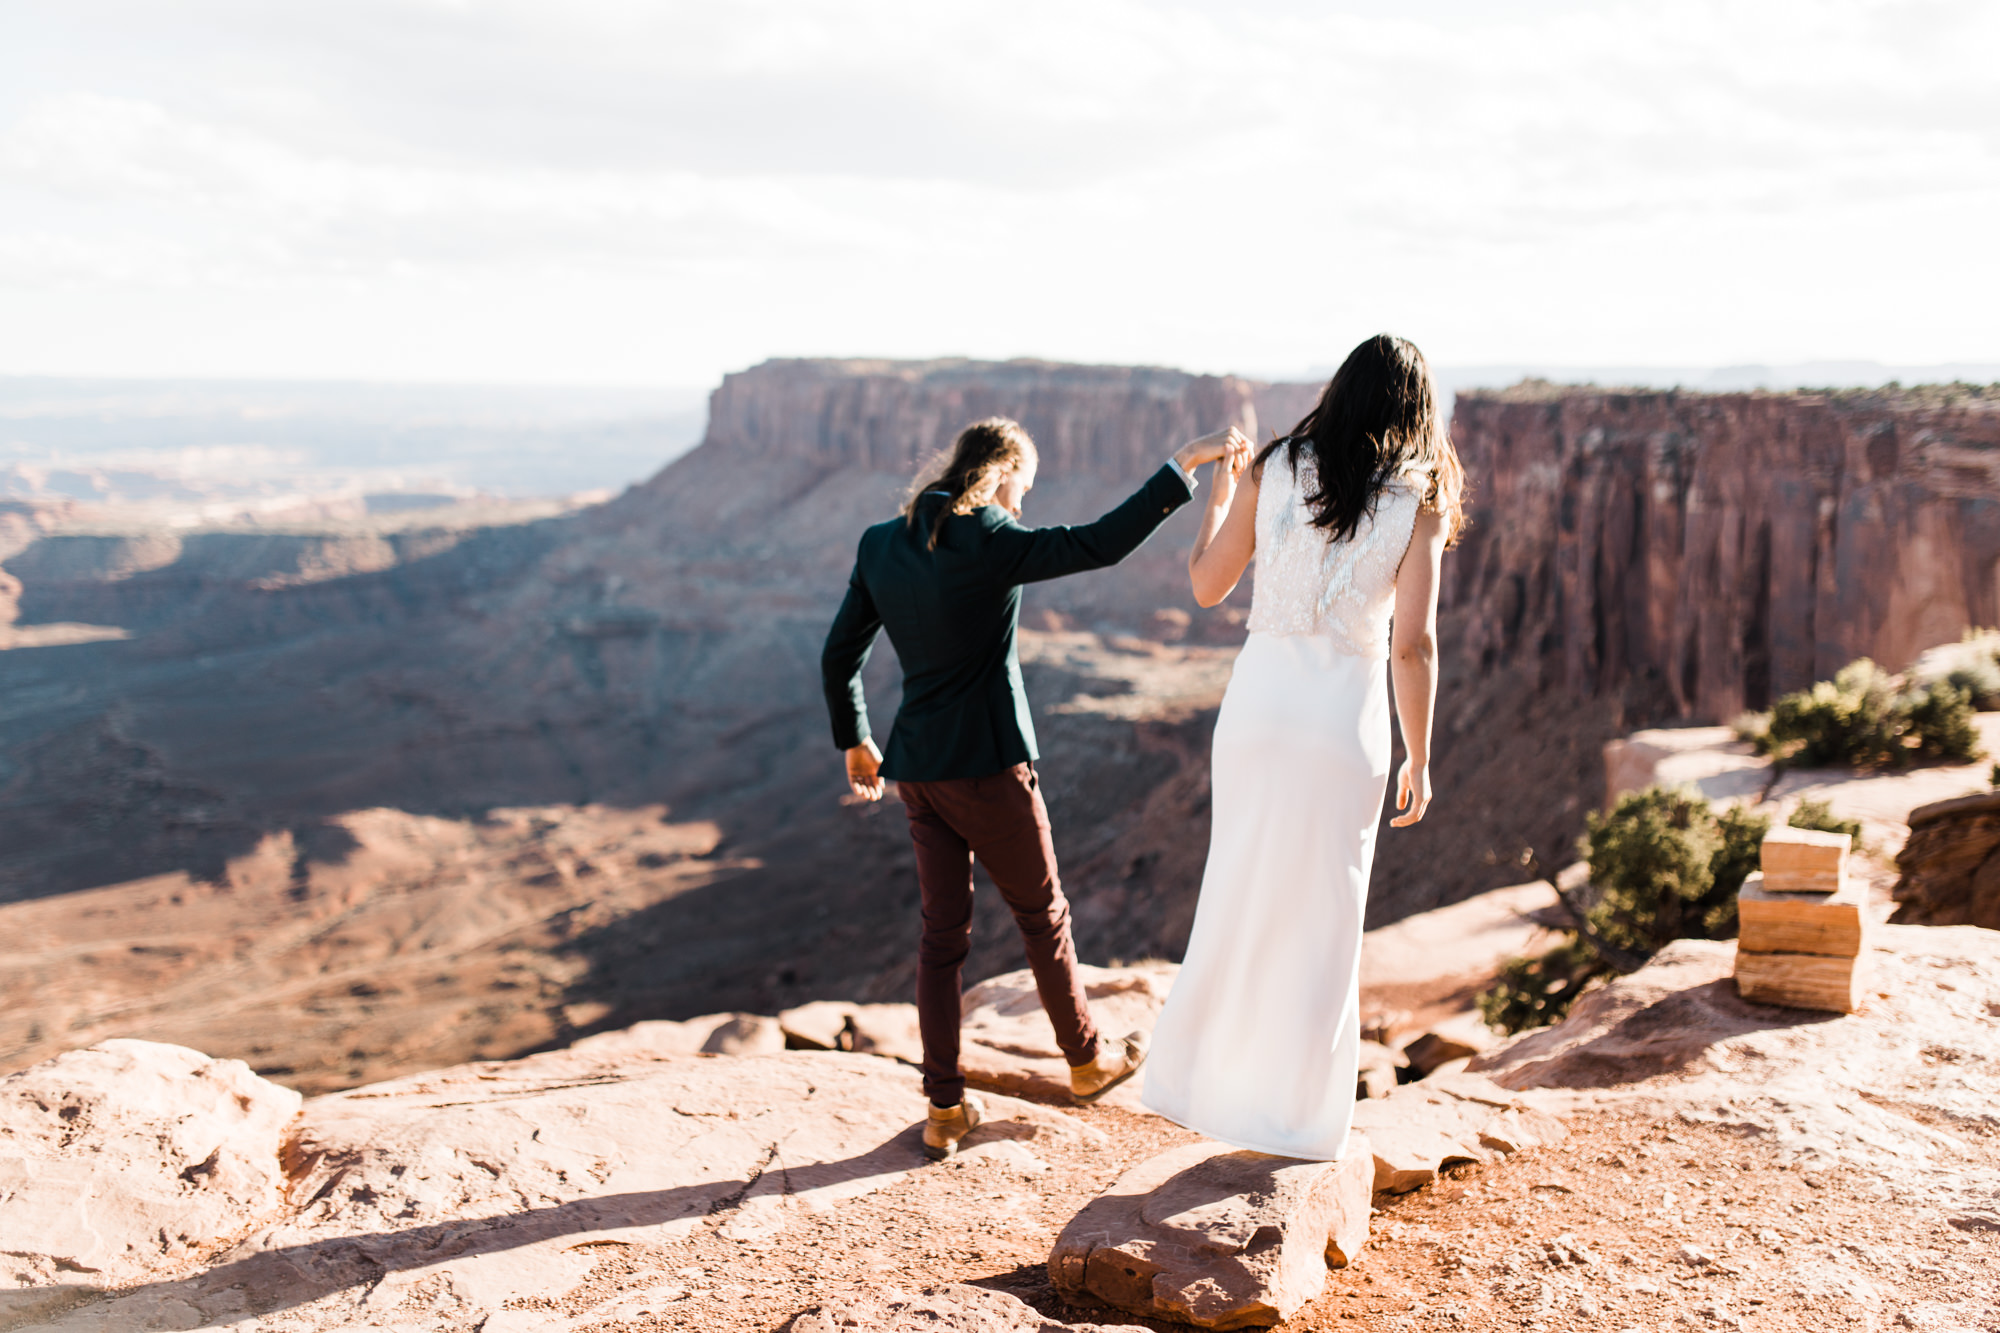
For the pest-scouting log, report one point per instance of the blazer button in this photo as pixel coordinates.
(1166, 509)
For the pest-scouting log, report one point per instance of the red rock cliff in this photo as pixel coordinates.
(1727, 547)
(1110, 422)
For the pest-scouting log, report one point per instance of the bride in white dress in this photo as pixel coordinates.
(1347, 518)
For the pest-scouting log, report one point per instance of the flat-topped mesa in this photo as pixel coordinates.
(1113, 422)
(1727, 547)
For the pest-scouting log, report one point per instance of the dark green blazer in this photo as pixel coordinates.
(952, 615)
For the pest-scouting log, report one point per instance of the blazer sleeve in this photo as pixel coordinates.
(1029, 555)
(848, 645)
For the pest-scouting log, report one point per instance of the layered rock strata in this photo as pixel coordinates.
(1724, 548)
(658, 654)
(1951, 864)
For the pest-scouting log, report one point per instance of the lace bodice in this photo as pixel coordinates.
(1340, 590)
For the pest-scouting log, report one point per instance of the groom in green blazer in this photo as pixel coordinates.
(944, 579)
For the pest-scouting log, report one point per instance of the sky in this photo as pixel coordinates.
(609, 192)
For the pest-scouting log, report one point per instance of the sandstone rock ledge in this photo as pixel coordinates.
(474, 1191)
(133, 1158)
(1905, 1088)
(1218, 1238)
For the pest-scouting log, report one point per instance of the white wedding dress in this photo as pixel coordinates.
(1258, 1042)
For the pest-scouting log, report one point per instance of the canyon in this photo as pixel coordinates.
(347, 805)
(1720, 550)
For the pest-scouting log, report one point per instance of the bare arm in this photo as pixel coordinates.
(1228, 536)
(1413, 663)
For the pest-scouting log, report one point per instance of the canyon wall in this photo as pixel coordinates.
(314, 723)
(1724, 548)
(1110, 422)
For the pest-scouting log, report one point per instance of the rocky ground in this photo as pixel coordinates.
(1726, 1165)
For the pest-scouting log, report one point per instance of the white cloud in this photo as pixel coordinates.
(606, 189)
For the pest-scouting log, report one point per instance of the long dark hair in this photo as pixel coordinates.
(982, 454)
(1377, 416)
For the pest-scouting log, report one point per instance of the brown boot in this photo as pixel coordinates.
(1115, 1062)
(949, 1124)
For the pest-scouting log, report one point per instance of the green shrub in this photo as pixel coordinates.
(1941, 723)
(1846, 720)
(1534, 992)
(1752, 727)
(1862, 717)
(1980, 679)
(1815, 814)
(1972, 665)
(1665, 868)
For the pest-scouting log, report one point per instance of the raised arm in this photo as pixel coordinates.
(1228, 536)
(1030, 555)
(848, 645)
(1413, 662)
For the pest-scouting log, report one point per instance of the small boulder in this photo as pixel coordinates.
(1379, 1025)
(1421, 1128)
(711, 1034)
(1951, 864)
(1457, 1038)
(951, 1308)
(744, 1034)
(129, 1159)
(1217, 1237)
(888, 1030)
(1009, 1045)
(1376, 1075)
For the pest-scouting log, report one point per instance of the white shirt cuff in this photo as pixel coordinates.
(1185, 475)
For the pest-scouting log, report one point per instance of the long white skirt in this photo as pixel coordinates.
(1258, 1042)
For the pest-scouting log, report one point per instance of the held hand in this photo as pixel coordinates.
(1229, 468)
(1413, 794)
(1207, 449)
(864, 771)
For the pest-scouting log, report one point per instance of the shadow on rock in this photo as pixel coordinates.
(264, 1281)
(1661, 1021)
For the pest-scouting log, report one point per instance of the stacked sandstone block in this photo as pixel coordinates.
(1802, 924)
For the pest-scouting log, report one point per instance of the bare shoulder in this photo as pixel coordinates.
(1429, 529)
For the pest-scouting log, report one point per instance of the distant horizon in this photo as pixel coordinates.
(1827, 372)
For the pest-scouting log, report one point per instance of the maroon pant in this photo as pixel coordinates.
(1000, 819)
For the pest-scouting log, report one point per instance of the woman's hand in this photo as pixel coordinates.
(1413, 794)
(1227, 471)
(864, 771)
(1229, 443)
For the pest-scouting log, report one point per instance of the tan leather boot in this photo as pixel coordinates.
(1116, 1061)
(949, 1124)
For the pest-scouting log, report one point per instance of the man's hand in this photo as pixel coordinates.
(1231, 444)
(864, 771)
